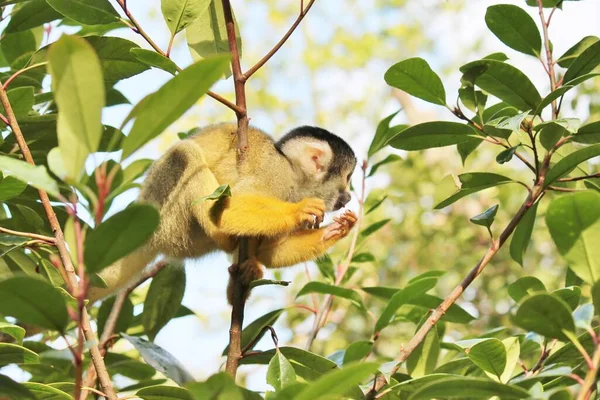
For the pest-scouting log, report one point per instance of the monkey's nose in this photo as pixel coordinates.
(342, 200)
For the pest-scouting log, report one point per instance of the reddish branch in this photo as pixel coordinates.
(68, 272)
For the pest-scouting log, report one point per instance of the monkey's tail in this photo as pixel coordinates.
(124, 271)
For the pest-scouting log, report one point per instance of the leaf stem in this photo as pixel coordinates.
(19, 72)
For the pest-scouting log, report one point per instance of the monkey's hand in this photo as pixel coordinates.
(310, 212)
(250, 270)
(341, 226)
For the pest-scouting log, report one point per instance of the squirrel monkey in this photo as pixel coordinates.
(280, 193)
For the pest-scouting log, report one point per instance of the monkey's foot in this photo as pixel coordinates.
(248, 271)
(311, 212)
(341, 226)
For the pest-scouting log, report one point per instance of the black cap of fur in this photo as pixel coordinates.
(343, 156)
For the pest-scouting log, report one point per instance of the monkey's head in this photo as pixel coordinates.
(323, 163)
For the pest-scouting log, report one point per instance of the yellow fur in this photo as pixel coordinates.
(272, 198)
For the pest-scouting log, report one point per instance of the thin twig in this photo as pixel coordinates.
(259, 64)
(138, 29)
(68, 272)
(439, 312)
(549, 61)
(253, 342)
(43, 238)
(579, 178)
(19, 72)
(323, 313)
(590, 381)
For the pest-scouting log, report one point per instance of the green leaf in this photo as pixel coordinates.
(46, 392)
(337, 291)
(18, 45)
(14, 331)
(220, 386)
(555, 94)
(588, 134)
(506, 155)
(207, 35)
(515, 28)
(574, 224)
(546, 314)
(88, 12)
(308, 366)
(506, 83)
(221, 191)
(384, 134)
(585, 63)
(13, 390)
(10, 187)
(423, 360)
(163, 299)
(160, 109)
(471, 183)
(565, 165)
(490, 356)
(432, 134)
(595, 292)
(33, 301)
(154, 59)
(513, 351)
(403, 296)
(160, 359)
(21, 101)
(525, 286)
(570, 55)
(280, 373)
(466, 148)
(363, 258)
(374, 227)
(468, 387)
(79, 93)
(15, 354)
(486, 218)
(415, 77)
(30, 15)
(522, 235)
(164, 393)
(551, 134)
(357, 351)
(116, 59)
(337, 382)
(569, 295)
(125, 316)
(179, 13)
(118, 236)
(36, 176)
(255, 328)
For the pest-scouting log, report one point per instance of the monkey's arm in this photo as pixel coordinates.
(305, 244)
(256, 215)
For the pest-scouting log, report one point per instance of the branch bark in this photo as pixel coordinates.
(591, 378)
(69, 272)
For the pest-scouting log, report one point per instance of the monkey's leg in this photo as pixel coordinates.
(256, 215)
(304, 245)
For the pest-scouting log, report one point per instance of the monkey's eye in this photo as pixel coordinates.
(349, 176)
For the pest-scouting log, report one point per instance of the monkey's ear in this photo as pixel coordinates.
(312, 156)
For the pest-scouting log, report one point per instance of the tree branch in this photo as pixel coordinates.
(259, 64)
(439, 312)
(69, 271)
(43, 238)
(239, 295)
(579, 178)
(590, 381)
